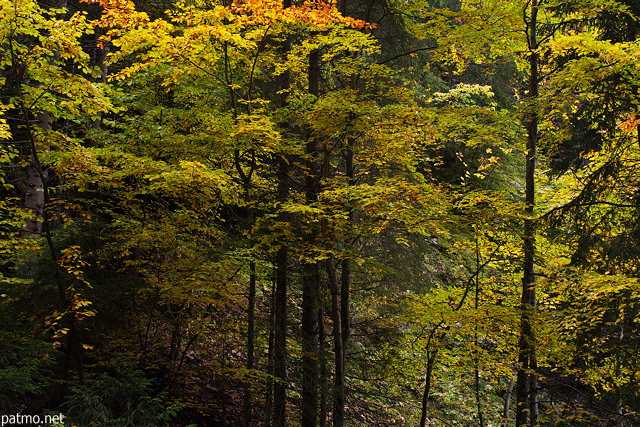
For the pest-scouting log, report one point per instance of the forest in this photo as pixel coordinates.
(320, 212)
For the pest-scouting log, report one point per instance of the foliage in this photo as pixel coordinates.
(181, 153)
(126, 399)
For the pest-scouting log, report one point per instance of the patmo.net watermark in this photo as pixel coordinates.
(30, 420)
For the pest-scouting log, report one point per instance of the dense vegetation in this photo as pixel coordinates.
(369, 212)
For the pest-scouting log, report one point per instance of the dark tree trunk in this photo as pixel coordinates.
(338, 384)
(324, 386)
(279, 358)
(251, 331)
(280, 311)
(431, 360)
(280, 339)
(477, 356)
(271, 355)
(345, 290)
(526, 384)
(310, 347)
(507, 401)
(311, 274)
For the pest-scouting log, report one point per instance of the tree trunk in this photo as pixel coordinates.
(324, 390)
(431, 360)
(35, 176)
(280, 339)
(280, 311)
(507, 401)
(476, 355)
(311, 274)
(338, 384)
(526, 384)
(345, 290)
(282, 266)
(251, 307)
(310, 353)
(271, 355)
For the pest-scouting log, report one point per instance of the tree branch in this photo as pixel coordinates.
(422, 49)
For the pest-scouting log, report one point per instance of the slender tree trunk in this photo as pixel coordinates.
(35, 196)
(324, 385)
(246, 177)
(310, 344)
(271, 355)
(526, 384)
(251, 330)
(345, 291)
(507, 400)
(477, 390)
(338, 384)
(345, 279)
(280, 310)
(431, 360)
(280, 339)
(311, 273)
(282, 266)
(324, 390)
(477, 356)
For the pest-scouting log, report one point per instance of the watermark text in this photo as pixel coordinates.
(30, 420)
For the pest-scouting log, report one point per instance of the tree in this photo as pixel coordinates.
(49, 97)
